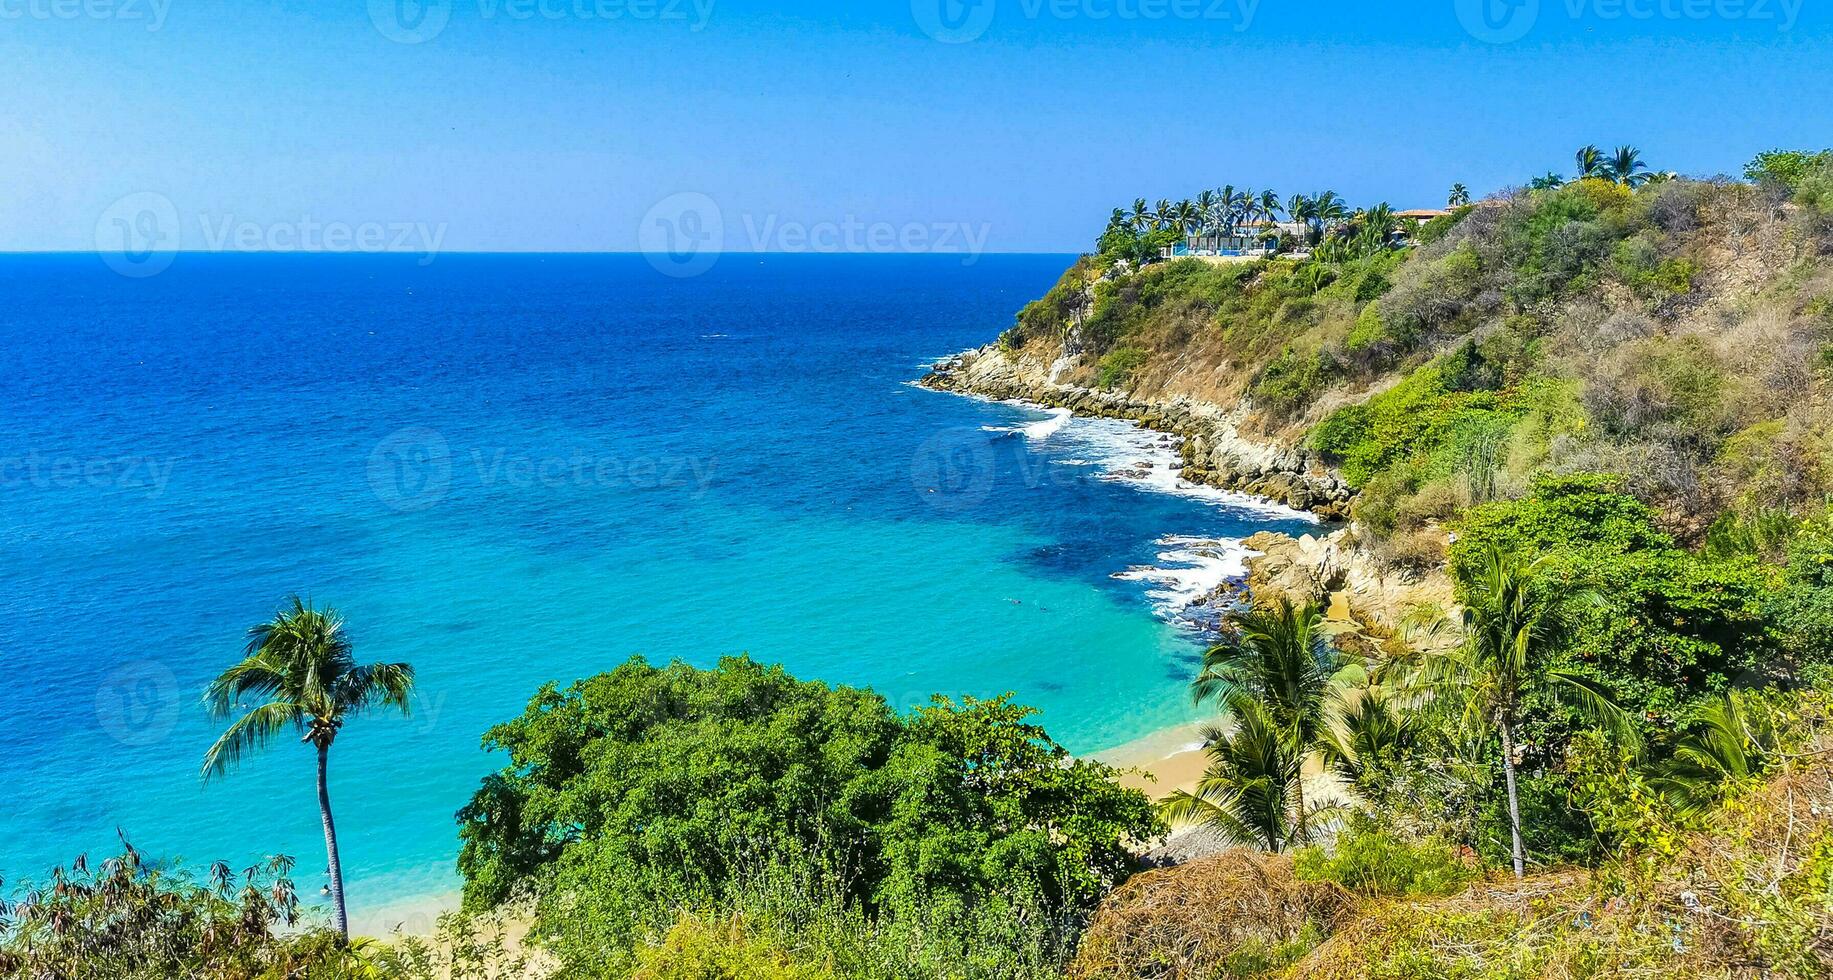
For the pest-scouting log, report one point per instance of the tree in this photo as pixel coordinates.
(1143, 218)
(1460, 196)
(1277, 660)
(1252, 788)
(1590, 162)
(301, 665)
(1625, 167)
(1510, 627)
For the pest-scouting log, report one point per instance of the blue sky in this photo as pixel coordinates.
(551, 124)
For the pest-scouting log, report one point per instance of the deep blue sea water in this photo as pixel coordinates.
(510, 470)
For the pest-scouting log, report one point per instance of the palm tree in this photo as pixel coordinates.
(1460, 196)
(1279, 659)
(1509, 627)
(1625, 167)
(1252, 787)
(1590, 162)
(300, 666)
(1143, 217)
(1728, 744)
(1373, 737)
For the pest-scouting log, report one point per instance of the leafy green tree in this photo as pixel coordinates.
(635, 793)
(301, 670)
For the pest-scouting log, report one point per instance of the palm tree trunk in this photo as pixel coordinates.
(335, 868)
(1514, 801)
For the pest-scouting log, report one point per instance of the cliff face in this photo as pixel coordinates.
(1215, 452)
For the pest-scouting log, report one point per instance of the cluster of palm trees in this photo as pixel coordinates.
(1290, 696)
(1624, 166)
(1226, 212)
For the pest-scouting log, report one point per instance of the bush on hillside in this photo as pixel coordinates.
(646, 790)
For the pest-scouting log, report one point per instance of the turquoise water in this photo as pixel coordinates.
(511, 470)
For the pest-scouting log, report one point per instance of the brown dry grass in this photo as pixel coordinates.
(1181, 923)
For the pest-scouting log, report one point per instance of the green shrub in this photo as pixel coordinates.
(1373, 860)
(643, 791)
(1117, 367)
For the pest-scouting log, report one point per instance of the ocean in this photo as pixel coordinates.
(512, 470)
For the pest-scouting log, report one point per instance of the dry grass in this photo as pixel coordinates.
(1182, 923)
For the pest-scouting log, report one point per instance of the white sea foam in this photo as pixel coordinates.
(1188, 570)
(1039, 430)
(1149, 460)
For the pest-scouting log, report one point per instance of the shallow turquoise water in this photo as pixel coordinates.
(516, 469)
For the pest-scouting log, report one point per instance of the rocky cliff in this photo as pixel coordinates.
(1215, 452)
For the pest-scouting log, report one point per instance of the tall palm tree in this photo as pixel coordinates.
(1205, 204)
(1279, 659)
(1625, 167)
(1509, 628)
(300, 667)
(1460, 196)
(1590, 162)
(1248, 793)
(1327, 211)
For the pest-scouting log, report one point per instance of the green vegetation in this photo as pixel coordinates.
(1596, 409)
(639, 793)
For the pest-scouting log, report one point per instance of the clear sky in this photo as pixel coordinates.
(555, 125)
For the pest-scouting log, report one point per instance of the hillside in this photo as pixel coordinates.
(1675, 334)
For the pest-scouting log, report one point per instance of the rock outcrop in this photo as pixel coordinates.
(1215, 453)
